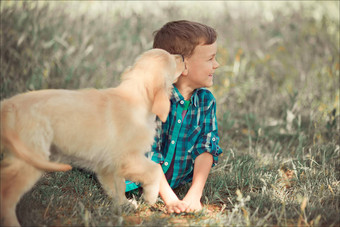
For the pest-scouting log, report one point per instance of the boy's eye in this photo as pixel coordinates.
(212, 58)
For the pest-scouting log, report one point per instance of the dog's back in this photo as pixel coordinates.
(13, 135)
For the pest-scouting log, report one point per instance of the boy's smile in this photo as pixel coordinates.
(200, 68)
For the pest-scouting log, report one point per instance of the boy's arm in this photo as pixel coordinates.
(205, 154)
(202, 168)
(173, 204)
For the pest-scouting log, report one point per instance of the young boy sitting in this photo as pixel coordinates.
(186, 145)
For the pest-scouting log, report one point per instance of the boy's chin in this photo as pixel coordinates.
(209, 85)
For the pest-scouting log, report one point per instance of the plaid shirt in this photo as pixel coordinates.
(181, 140)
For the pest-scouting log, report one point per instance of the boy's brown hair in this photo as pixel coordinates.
(182, 37)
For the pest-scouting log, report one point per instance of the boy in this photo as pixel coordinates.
(186, 145)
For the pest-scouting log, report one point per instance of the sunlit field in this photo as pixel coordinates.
(277, 93)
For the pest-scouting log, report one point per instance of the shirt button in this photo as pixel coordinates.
(179, 121)
(213, 139)
(166, 163)
(182, 102)
(173, 142)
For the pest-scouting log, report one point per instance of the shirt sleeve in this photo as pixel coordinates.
(208, 138)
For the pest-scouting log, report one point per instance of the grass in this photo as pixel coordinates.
(278, 107)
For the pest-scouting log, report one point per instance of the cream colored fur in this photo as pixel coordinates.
(107, 131)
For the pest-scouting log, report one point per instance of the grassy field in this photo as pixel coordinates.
(278, 105)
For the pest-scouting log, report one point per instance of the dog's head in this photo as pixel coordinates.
(159, 70)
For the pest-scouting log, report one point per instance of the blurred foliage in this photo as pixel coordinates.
(46, 47)
(280, 66)
(280, 77)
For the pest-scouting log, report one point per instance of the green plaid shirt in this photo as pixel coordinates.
(180, 140)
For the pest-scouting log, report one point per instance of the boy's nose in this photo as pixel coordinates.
(216, 64)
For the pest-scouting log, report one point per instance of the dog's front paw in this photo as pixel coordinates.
(151, 193)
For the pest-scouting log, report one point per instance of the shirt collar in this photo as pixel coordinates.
(177, 96)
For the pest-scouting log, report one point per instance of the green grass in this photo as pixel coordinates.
(278, 107)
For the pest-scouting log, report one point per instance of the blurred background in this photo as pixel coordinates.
(279, 60)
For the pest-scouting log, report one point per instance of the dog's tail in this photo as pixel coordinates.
(11, 140)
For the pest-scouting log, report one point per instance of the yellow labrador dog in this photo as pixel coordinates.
(107, 131)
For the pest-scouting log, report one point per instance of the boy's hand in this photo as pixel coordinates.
(178, 206)
(194, 203)
(202, 168)
(173, 204)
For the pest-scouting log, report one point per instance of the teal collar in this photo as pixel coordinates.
(177, 96)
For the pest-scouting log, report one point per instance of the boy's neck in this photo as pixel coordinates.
(185, 91)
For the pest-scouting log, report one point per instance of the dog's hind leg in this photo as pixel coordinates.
(17, 177)
(113, 185)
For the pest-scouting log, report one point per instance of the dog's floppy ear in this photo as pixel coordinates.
(161, 104)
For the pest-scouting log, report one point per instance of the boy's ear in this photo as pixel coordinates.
(180, 65)
(186, 70)
(161, 104)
